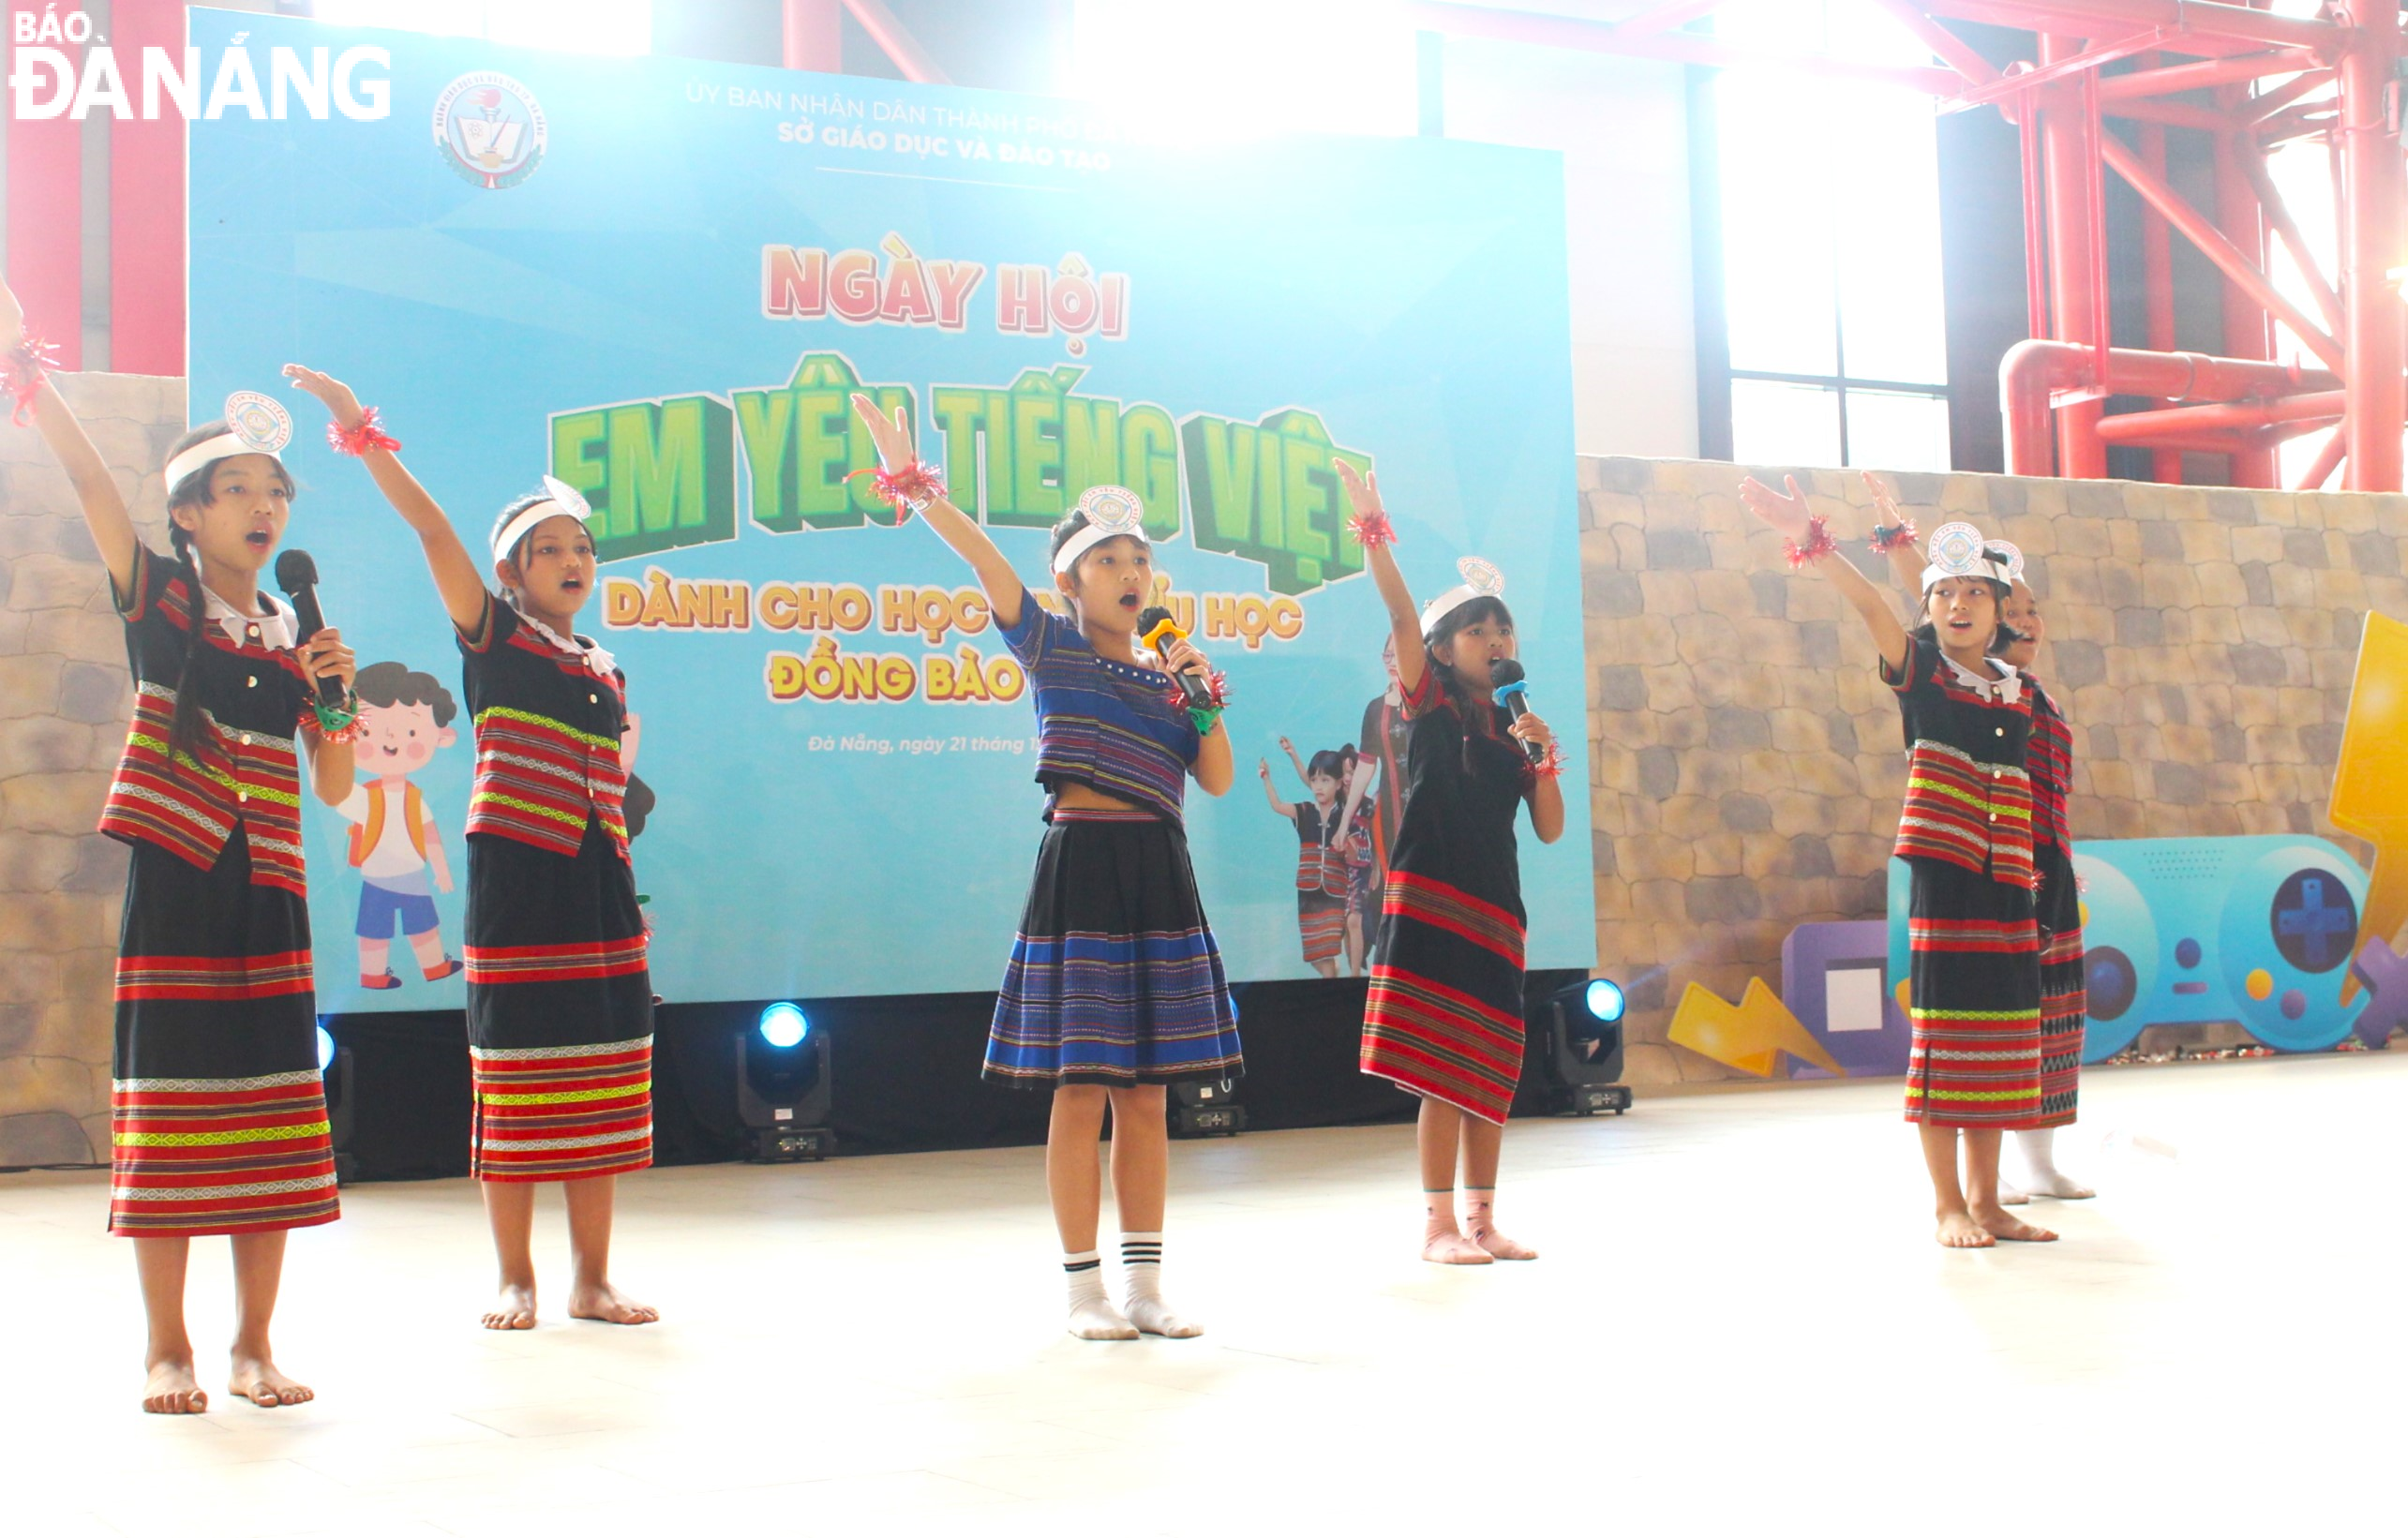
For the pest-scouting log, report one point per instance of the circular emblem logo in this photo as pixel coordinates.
(490, 129)
(1956, 549)
(1116, 510)
(260, 421)
(2014, 559)
(1481, 577)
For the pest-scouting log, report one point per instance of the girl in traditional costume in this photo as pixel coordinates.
(1114, 989)
(217, 1113)
(560, 990)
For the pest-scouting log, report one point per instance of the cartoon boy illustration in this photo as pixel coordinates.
(404, 717)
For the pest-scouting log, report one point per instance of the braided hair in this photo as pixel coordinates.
(184, 732)
(1476, 720)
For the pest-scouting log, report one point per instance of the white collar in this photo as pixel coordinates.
(274, 630)
(596, 658)
(2006, 691)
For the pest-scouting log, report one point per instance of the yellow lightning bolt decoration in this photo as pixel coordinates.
(2371, 783)
(1749, 1036)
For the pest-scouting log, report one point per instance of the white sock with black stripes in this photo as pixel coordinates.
(1141, 1265)
(1092, 1315)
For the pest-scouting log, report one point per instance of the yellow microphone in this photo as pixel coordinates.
(1158, 630)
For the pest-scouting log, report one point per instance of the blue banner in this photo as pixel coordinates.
(659, 279)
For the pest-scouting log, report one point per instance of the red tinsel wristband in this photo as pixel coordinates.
(907, 490)
(355, 442)
(22, 369)
(1819, 544)
(1889, 537)
(1373, 530)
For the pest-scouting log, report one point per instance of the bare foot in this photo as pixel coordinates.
(601, 1301)
(256, 1378)
(2001, 1224)
(1452, 1248)
(1958, 1231)
(172, 1390)
(2012, 1195)
(515, 1310)
(2064, 1187)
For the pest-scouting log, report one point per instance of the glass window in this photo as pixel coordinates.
(1777, 423)
(1829, 197)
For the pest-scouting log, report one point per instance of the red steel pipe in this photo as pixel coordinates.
(895, 40)
(2068, 164)
(2327, 460)
(814, 36)
(2251, 161)
(2204, 22)
(2192, 77)
(2228, 258)
(2156, 285)
(2373, 202)
(2321, 406)
(2032, 370)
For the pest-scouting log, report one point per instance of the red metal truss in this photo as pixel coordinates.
(2180, 64)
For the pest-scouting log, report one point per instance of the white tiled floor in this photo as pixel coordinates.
(1740, 1324)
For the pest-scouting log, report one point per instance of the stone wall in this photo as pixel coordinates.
(64, 700)
(1748, 759)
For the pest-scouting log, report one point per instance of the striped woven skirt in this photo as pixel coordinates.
(217, 1112)
(2064, 1003)
(1321, 919)
(1445, 1014)
(1115, 977)
(1974, 999)
(560, 1012)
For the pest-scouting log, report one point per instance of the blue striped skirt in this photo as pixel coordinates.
(1114, 977)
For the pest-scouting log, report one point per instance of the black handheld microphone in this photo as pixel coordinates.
(1513, 693)
(297, 575)
(1158, 630)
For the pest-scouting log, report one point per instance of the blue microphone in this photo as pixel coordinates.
(1512, 690)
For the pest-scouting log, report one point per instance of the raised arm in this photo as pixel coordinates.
(1358, 785)
(957, 529)
(1404, 618)
(1906, 554)
(1285, 809)
(456, 576)
(104, 508)
(1789, 516)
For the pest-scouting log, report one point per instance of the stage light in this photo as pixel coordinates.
(335, 1073)
(785, 1089)
(1206, 1109)
(1583, 1052)
(1604, 998)
(784, 1026)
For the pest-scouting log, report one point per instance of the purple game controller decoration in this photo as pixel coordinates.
(2386, 976)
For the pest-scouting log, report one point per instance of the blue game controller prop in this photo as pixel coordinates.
(2255, 930)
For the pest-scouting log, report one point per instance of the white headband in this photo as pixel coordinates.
(559, 498)
(1480, 580)
(255, 424)
(1958, 549)
(1112, 511)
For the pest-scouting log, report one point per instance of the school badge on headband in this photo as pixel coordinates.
(2014, 557)
(572, 501)
(1956, 550)
(1481, 577)
(1113, 510)
(260, 421)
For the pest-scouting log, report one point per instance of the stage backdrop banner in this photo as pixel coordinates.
(659, 279)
